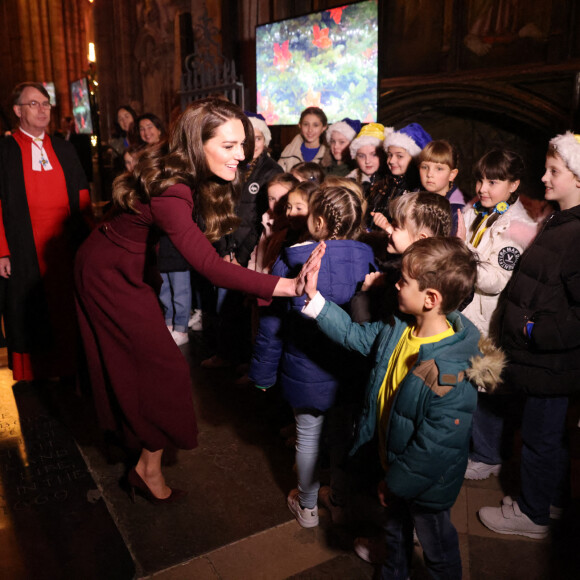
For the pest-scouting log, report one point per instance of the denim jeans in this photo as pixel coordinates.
(309, 423)
(487, 429)
(436, 533)
(544, 464)
(176, 297)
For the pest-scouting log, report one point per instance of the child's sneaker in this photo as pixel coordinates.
(196, 320)
(372, 550)
(337, 512)
(509, 519)
(306, 517)
(180, 338)
(478, 470)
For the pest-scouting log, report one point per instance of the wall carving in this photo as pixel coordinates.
(44, 41)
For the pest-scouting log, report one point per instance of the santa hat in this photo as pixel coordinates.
(347, 127)
(259, 123)
(568, 148)
(371, 134)
(412, 138)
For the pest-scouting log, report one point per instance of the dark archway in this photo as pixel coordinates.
(477, 115)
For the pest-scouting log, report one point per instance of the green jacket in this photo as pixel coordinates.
(430, 423)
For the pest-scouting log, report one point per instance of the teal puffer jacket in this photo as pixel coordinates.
(430, 423)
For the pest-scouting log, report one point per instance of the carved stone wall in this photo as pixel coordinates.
(474, 71)
(438, 59)
(43, 41)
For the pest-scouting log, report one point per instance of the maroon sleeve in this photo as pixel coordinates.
(172, 212)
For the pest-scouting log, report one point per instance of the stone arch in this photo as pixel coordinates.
(477, 114)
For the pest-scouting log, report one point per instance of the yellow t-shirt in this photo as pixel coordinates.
(403, 358)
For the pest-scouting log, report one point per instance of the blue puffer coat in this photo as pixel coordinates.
(430, 423)
(310, 366)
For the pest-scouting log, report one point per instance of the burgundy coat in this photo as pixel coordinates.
(140, 379)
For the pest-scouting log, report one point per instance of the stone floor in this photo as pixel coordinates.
(65, 512)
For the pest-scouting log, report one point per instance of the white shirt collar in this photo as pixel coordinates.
(40, 160)
(32, 136)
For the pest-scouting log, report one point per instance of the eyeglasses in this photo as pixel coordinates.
(36, 105)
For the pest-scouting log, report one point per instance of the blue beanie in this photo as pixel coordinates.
(412, 138)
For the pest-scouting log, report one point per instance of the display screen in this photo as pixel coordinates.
(327, 59)
(81, 106)
(51, 91)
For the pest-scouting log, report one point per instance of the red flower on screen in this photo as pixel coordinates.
(321, 39)
(336, 14)
(266, 108)
(282, 55)
(368, 53)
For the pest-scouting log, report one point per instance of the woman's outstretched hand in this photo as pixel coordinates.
(289, 287)
(310, 269)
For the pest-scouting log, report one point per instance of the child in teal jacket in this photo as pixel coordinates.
(420, 398)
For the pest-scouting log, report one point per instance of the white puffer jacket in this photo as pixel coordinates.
(499, 250)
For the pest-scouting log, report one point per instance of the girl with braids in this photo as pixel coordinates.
(414, 216)
(314, 372)
(185, 187)
(498, 229)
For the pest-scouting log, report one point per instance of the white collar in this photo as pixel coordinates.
(40, 160)
(41, 136)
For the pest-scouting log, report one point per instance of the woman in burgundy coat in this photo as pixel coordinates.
(140, 379)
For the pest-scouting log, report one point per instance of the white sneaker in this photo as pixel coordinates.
(372, 550)
(180, 337)
(509, 519)
(479, 470)
(337, 512)
(195, 320)
(306, 517)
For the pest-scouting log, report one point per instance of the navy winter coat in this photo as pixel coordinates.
(311, 367)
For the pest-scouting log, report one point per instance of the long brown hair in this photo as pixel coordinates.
(181, 159)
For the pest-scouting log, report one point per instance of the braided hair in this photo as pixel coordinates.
(341, 210)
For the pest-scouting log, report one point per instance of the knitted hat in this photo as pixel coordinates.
(347, 127)
(412, 138)
(371, 134)
(259, 123)
(568, 148)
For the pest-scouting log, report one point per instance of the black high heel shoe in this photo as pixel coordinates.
(137, 485)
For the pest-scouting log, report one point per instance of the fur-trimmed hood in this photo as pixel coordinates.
(485, 371)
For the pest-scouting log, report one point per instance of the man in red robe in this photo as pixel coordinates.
(43, 194)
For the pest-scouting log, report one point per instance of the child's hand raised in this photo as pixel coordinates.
(312, 283)
(461, 229)
(373, 279)
(310, 267)
(380, 220)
